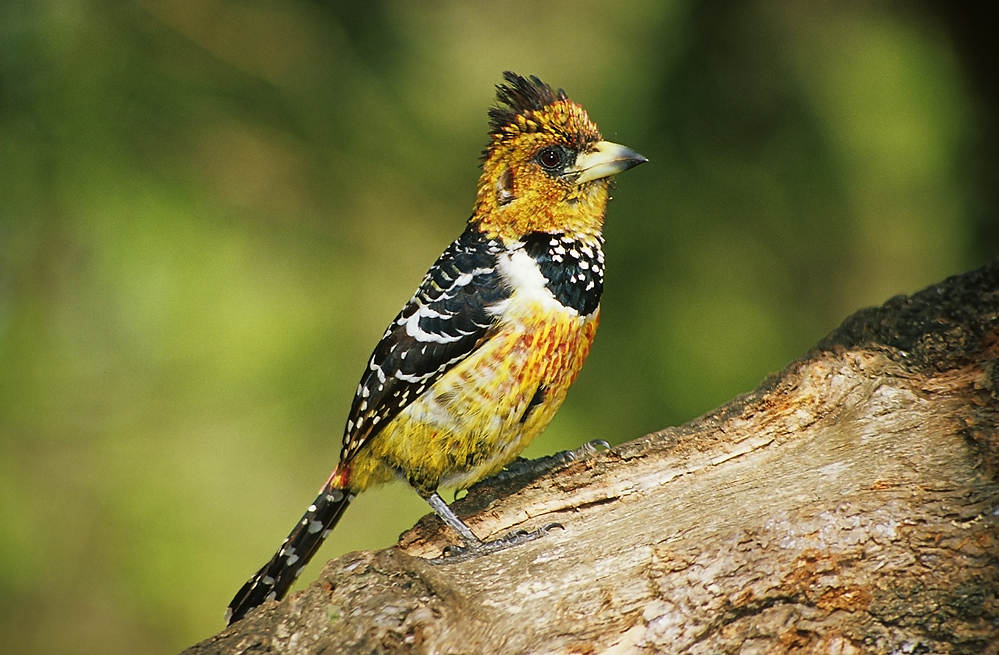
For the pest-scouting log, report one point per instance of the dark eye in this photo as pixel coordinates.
(553, 157)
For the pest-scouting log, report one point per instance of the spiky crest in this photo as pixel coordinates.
(522, 96)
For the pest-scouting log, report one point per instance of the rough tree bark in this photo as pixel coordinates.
(847, 505)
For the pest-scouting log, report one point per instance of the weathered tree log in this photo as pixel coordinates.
(849, 504)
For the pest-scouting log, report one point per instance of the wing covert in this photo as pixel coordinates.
(444, 322)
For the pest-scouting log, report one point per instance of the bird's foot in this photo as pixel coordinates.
(456, 554)
(535, 467)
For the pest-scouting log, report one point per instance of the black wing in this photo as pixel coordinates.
(444, 322)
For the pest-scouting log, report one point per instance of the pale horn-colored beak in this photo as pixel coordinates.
(604, 160)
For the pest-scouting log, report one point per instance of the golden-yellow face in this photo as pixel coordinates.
(547, 168)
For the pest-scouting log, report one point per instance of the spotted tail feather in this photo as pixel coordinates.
(276, 577)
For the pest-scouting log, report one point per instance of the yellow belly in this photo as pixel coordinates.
(471, 423)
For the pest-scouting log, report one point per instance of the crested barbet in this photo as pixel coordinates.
(475, 366)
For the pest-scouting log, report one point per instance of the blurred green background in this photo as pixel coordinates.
(210, 209)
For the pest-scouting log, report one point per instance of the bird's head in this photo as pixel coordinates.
(546, 169)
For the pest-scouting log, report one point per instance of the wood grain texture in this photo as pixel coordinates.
(847, 505)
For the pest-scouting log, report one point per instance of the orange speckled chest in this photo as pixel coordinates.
(483, 412)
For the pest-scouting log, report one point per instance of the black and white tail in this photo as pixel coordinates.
(276, 577)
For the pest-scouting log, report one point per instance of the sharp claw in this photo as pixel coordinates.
(452, 551)
(455, 554)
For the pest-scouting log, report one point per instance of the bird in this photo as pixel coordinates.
(477, 363)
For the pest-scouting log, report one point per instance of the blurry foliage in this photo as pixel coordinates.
(209, 210)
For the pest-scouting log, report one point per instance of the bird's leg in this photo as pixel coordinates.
(447, 515)
(535, 467)
(473, 545)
